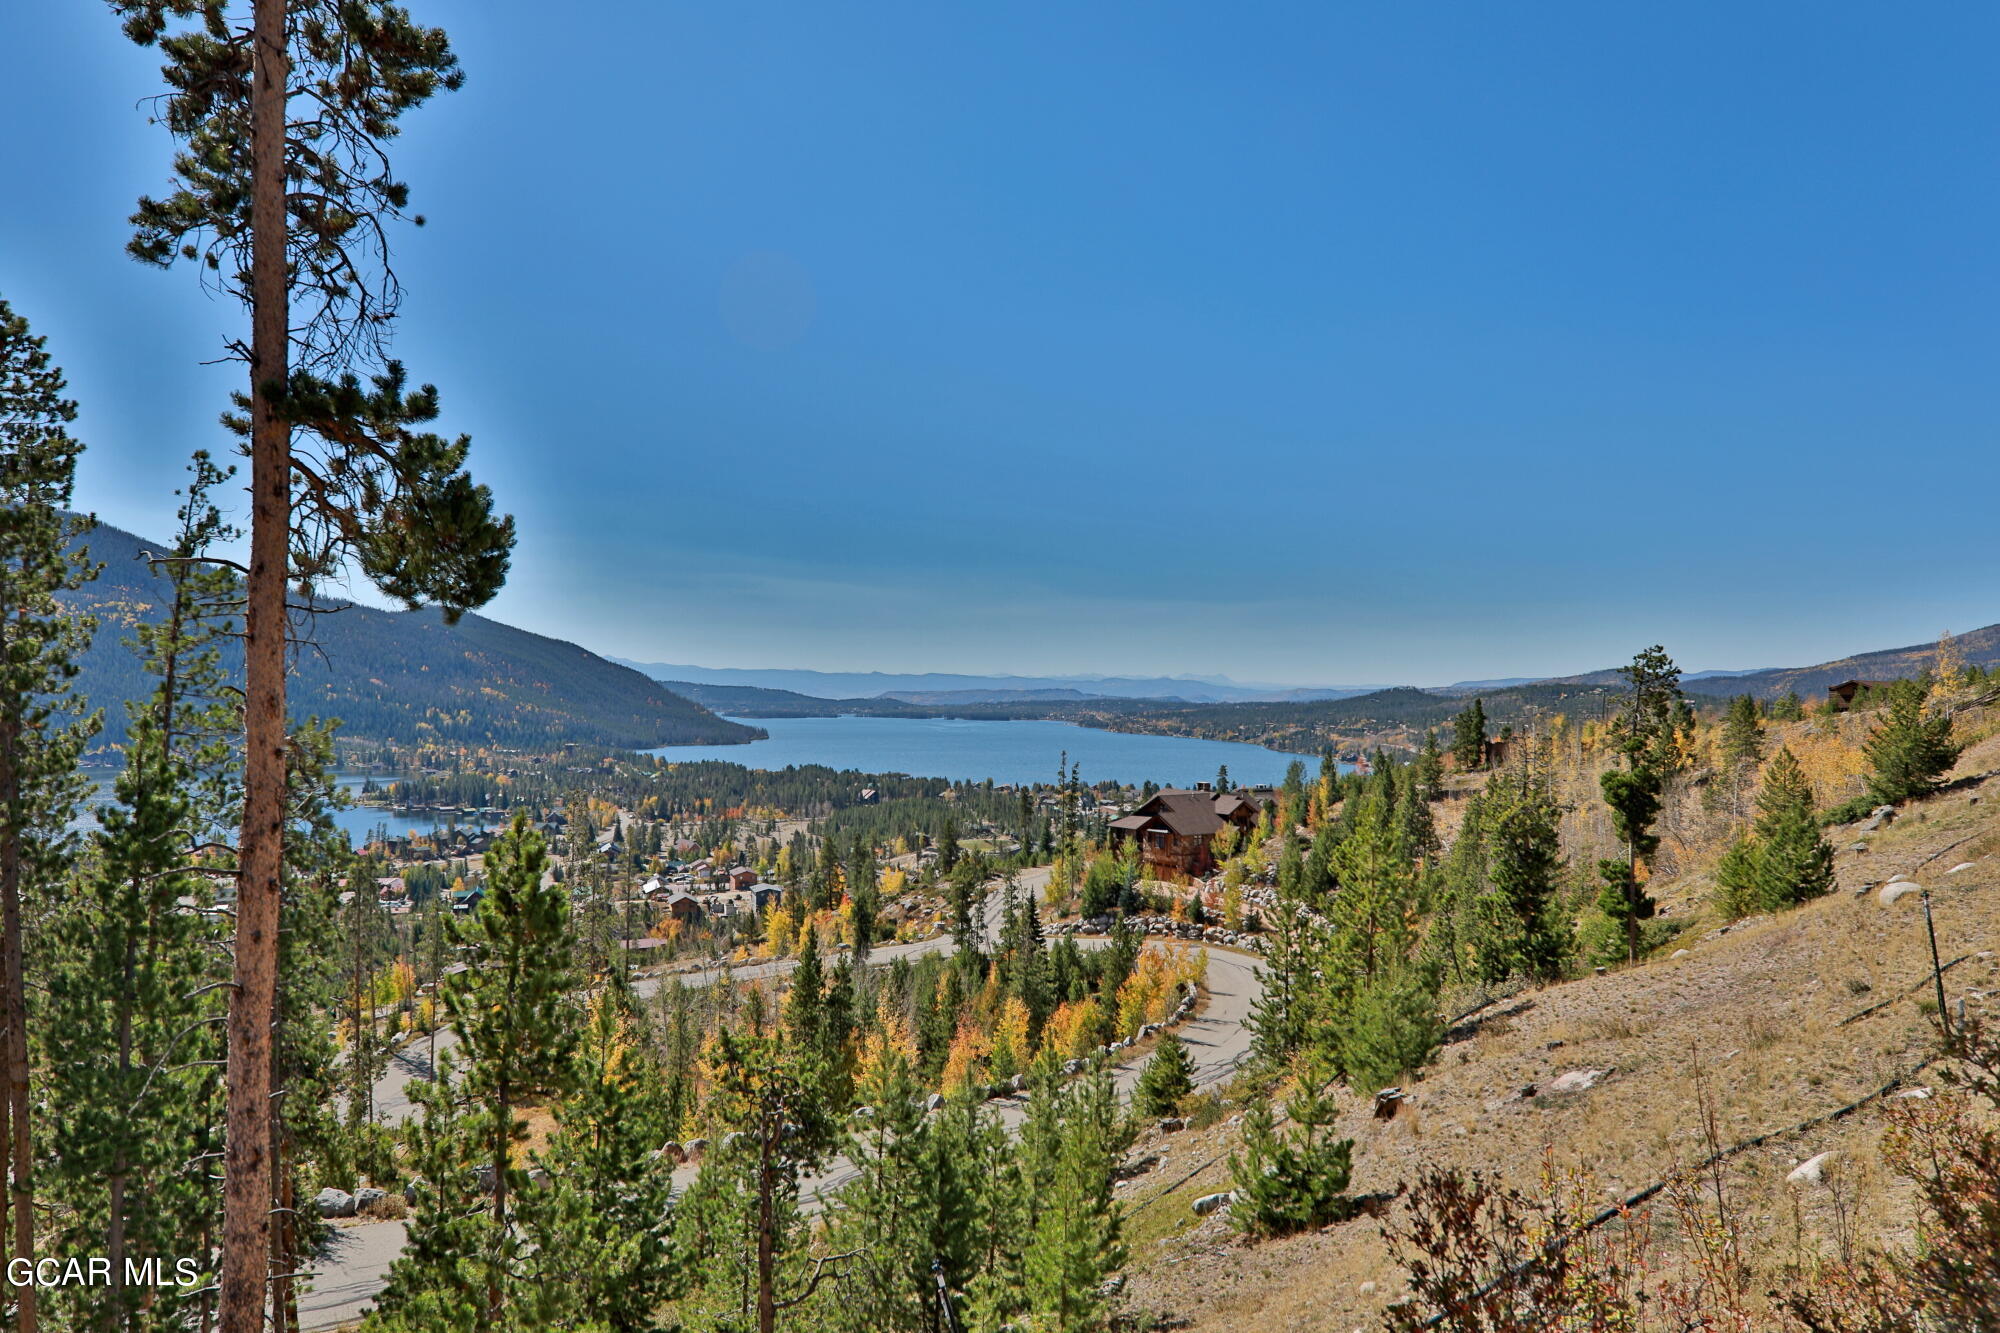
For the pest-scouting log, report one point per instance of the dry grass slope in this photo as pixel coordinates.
(1754, 1012)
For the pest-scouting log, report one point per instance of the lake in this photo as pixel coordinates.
(972, 751)
(358, 822)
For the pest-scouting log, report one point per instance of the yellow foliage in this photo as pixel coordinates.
(1012, 1029)
(1148, 994)
(893, 881)
(779, 931)
(968, 1048)
(1068, 1029)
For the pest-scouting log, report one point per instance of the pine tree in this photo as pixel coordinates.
(1523, 840)
(1787, 707)
(1430, 768)
(517, 1035)
(1647, 740)
(1784, 859)
(1742, 737)
(889, 1217)
(1391, 1028)
(284, 196)
(1468, 744)
(740, 1224)
(1736, 874)
(600, 1228)
(1291, 1182)
(864, 894)
(1371, 912)
(131, 1033)
(1076, 1238)
(1168, 1077)
(1911, 748)
(42, 726)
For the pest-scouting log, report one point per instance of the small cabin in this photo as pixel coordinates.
(1843, 695)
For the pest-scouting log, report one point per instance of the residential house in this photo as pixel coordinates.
(1842, 696)
(1175, 829)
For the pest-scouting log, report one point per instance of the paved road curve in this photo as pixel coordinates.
(358, 1268)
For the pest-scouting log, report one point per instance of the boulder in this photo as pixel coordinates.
(696, 1147)
(934, 1102)
(1209, 1203)
(1678, 953)
(1577, 1080)
(1172, 1124)
(410, 1191)
(334, 1203)
(1811, 1171)
(1072, 1066)
(482, 1177)
(1910, 1094)
(1896, 891)
(1020, 1082)
(538, 1175)
(673, 1150)
(864, 1113)
(367, 1197)
(1962, 865)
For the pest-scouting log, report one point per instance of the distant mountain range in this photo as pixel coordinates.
(945, 687)
(407, 676)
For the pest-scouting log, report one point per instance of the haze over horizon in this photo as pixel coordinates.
(1156, 341)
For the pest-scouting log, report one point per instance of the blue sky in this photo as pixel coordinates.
(1321, 343)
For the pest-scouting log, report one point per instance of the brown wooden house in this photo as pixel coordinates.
(1175, 830)
(1841, 696)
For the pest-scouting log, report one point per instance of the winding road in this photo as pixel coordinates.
(357, 1266)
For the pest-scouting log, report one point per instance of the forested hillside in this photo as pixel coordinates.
(409, 677)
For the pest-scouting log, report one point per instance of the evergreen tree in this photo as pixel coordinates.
(1787, 707)
(600, 1228)
(864, 894)
(284, 109)
(1075, 1240)
(1290, 1182)
(1784, 859)
(1430, 768)
(517, 1035)
(1168, 1077)
(42, 726)
(131, 1037)
(1742, 737)
(1371, 912)
(1468, 731)
(740, 1225)
(1647, 740)
(891, 1217)
(947, 847)
(1911, 748)
(1392, 1028)
(1523, 840)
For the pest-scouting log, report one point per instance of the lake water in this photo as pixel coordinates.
(358, 822)
(972, 751)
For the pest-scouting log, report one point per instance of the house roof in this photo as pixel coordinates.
(1191, 814)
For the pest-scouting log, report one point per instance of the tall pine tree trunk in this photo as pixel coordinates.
(247, 1190)
(14, 980)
